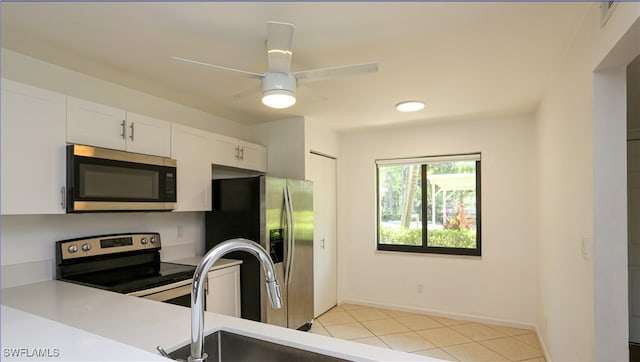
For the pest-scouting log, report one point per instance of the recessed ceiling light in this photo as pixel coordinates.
(410, 106)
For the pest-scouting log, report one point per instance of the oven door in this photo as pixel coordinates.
(178, 293)
(100, 179)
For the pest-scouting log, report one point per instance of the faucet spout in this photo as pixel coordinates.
(200, 276)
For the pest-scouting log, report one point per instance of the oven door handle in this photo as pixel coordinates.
(164, 295)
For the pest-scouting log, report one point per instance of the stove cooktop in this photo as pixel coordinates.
(122, 263)
(135, 278)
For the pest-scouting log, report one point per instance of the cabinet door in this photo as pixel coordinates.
(223, 295)
(33, 149)
(191, 148)
(224, 150)
(95, 124)
(148, 135)
(252, 156)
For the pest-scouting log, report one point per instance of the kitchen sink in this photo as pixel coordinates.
(226, 346)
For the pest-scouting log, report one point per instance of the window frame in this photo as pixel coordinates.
(425, 248)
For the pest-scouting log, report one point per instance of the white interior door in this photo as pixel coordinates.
(323, 175)
(633, 195)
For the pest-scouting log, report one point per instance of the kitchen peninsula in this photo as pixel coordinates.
(136, 325)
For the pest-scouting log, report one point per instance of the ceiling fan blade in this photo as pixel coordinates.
(251, 74)
(279, 46)
(315, 75)
(247, 92)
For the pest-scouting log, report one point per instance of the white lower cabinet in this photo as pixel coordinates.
(223, 293)
(33, 129)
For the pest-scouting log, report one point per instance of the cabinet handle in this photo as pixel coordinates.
(63, 199)
(122, 134)
(131, 126)
(241, 151)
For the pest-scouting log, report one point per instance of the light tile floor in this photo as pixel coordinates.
(444, 338)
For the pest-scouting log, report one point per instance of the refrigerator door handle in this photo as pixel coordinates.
(290, 235)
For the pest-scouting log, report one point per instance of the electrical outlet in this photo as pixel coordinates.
(420, 288)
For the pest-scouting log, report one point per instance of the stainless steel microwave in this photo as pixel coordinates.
(103, 180)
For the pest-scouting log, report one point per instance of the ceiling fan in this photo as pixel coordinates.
(278, 83)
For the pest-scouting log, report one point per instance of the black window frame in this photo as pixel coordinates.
(425, 248)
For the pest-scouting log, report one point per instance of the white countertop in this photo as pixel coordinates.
(26, 337)
(219, 264)
(145, 324)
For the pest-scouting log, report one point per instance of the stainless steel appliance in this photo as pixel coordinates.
(278, 214)
(100, 179)
(124, 263)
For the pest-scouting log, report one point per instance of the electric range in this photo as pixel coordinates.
(124, 263)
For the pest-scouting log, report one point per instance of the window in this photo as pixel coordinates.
(429, 205)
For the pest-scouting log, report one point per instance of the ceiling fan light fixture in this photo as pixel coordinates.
(410, 106)
(278, 90)
(278, 98)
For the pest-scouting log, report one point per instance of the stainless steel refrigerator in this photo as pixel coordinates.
(277, 213)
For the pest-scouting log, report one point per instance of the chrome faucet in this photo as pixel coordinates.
(200, 276)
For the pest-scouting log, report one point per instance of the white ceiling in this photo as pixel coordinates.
(462, 59)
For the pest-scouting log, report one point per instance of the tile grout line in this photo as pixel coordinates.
(410, 330)
(436, 347)
(365, 327)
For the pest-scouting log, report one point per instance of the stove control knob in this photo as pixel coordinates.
(72, 248)
(86, 247)
(154, 239)
(144, 241)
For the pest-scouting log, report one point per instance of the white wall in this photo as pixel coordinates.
(319, 139)
(582, 199)
(501, 285)
(285, 142)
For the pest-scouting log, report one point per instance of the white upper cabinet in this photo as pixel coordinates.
(191, 148)
(229, 151)
(224, 150)
(33, 150)
(252, 156)
(95, 124)
(148, 135)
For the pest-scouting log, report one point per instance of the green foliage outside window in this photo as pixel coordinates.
(429, 207)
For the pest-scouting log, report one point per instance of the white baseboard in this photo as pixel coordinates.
(439, 313)
(542, 345)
